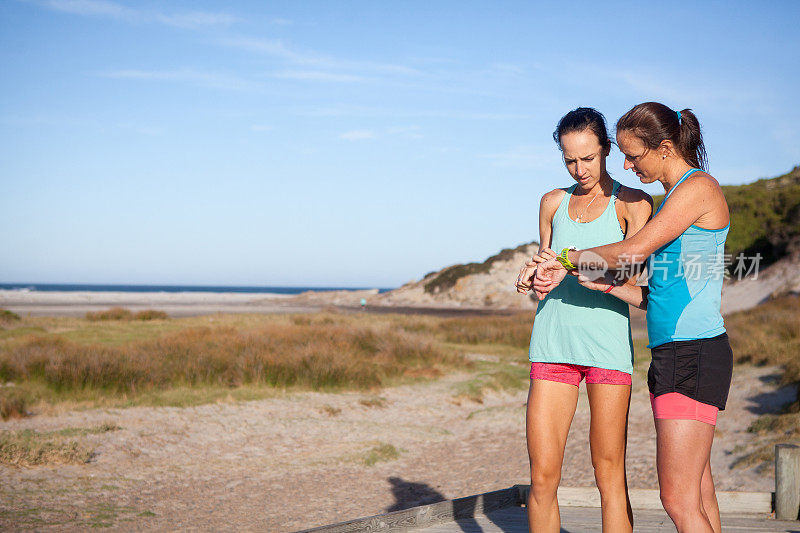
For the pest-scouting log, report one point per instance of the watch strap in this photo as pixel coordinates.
(564, 259)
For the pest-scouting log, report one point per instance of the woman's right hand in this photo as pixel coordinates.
(528, 270)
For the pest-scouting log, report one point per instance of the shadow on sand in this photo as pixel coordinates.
(773, 401)
(408, 494)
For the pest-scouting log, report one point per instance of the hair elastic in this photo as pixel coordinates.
(679, 115)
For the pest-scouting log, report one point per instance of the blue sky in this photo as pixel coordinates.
(345, 143)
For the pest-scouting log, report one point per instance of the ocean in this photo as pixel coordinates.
(45, 287)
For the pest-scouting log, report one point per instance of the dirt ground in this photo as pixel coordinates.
(303, 460)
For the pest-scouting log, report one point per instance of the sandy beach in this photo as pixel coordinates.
(176, 304)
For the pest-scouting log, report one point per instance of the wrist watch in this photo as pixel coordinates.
(564, 259)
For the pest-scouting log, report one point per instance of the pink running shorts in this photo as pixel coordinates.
(573, 374)
(676, 406)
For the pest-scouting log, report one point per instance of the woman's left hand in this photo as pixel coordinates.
(548, 275)
(599, 284)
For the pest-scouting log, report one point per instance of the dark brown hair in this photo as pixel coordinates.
(654, 123)
(580, 119)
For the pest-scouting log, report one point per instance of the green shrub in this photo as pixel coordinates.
(8, 317)
(150, 314)
(115, 313)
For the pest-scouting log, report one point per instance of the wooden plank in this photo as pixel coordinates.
(729, 502)
(427, 515)
(787, 481)
(588, 520)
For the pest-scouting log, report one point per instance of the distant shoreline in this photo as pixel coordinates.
(176, 304)
(135, 288)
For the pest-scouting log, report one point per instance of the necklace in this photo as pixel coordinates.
(579, 217)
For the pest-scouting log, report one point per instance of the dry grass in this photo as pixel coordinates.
(29, 448)
(115, 313)
(379, 453)
(513, 330)
(493, 377)
(769, 335)
(120, 313)
(69, 359)
(274, 355)
(8, 317)
(53, 360)
(14, 403)
(150, 314)
(373, 401)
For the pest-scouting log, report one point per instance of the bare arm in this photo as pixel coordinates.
(698, 199)
(547, 210)
(637, 209)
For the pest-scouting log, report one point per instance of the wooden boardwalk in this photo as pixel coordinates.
(502, 511)
(587, 520)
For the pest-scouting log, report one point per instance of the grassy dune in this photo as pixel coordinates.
(769, 335)
(122, 361)
(184, 361)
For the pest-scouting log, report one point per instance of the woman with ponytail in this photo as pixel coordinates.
(683, 245)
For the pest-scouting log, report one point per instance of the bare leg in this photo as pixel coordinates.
(683, 448)
(608, 438)
(709, 497)
(551, 407)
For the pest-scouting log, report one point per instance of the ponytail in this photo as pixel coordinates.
(690, 140)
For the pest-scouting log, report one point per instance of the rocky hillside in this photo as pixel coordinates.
(486, 284)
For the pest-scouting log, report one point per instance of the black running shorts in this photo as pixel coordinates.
(700, 369)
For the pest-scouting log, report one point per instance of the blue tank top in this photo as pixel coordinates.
(686, 284)
(574, 324)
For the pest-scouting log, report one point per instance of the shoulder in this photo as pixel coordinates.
(635, 201)
(703, 179)
(632, 196)
(699, 183)
(552, 199)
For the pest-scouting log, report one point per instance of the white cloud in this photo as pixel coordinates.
(410, 132)
(196, 19)
(279, 49)
(678, 89)
(90, 7)
(149, 130)
(271, 47)
(318, 75)
(104, 8)
(357, 135)
(214, 80)
(507, 68)
(341, 110)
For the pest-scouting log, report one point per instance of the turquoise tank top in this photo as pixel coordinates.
(577, 325)
(686, 284)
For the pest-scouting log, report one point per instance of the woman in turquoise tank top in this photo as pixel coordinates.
(683, 245)
(581, 333)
